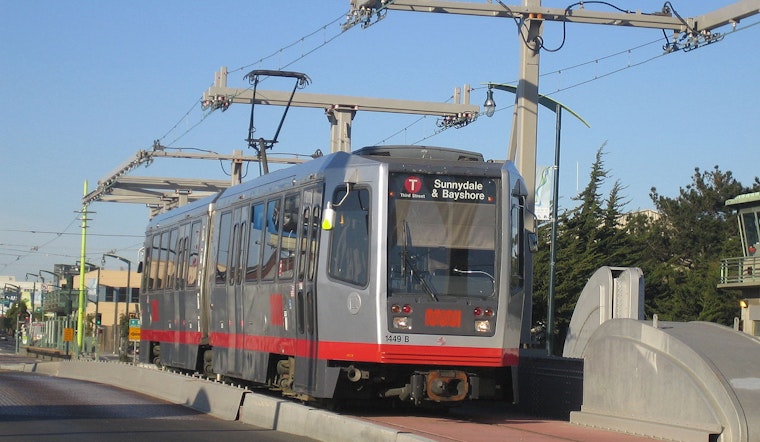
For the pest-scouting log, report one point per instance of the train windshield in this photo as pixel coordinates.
(442, 234)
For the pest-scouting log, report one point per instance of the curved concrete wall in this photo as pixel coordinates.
(679, 381)
(611, 292)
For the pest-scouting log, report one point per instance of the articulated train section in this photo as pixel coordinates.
(692, 381)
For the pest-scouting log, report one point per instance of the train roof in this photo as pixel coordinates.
(312, 169)
(420, 152)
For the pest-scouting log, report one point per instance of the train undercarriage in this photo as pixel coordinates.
(406, 384)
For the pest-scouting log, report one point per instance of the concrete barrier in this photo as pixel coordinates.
(302, 420)
(226, 402)
(219, 400)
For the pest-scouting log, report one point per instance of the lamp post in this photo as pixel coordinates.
(129, 290)
(34, 289)
(96, 328)
(489, 108)
(55, 275)
(55, 282)
(89, 267)
(16, 291)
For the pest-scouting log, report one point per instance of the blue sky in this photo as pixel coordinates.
(89, 83)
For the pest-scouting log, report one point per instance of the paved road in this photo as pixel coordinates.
(36, 407)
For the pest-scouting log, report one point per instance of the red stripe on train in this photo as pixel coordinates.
(177, 337)
(416, 354)
(350, 351)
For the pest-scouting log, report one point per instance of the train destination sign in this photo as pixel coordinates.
(444, 188)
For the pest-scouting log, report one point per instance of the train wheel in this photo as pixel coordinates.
(208, 363)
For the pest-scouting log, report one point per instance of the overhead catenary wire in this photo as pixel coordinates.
(596, 77)
(329, 39)
(196, 104)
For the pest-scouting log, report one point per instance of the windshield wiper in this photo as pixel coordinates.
(415, 272)
(479, 272)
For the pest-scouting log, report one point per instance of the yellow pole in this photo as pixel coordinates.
(82, 269)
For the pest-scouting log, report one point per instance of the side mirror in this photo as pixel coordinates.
(532, 242)
(141, 254)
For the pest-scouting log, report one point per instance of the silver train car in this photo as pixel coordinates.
(390, 272)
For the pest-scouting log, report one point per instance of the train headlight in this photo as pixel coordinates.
(402, 323)
(483, 326)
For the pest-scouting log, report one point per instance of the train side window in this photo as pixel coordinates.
(235, 258)
(255, 239)
(349, 242)
(517, 255)
(163, 260)
(289, 235)
(153, 263)
(237, 247)
(305, 242)
(310, 232)
(269, 260)
(223, 251)
(179, 280)
(171, 260)
(316, 217)
(193, 252)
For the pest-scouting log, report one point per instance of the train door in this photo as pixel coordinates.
(169, 350)
(306, 296)
(235, 292)
(185, 300)
(177, 246)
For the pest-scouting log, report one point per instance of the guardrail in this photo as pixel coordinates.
(740, 271)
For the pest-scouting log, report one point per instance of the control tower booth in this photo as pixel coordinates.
(743, 273)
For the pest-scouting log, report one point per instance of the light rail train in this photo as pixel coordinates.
(391, 272)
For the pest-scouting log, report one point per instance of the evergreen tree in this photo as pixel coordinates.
(12, 314)
(694, 231)
(589, 236)
(679, 248)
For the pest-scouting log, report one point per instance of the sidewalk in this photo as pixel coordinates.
(18, 362)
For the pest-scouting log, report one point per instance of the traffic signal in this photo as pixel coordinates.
(98, 317)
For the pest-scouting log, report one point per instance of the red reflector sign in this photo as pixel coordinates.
(443, 318)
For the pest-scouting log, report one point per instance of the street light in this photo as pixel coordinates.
(489, 107)
(16, 291)
(129, 292)
(43, 290)
(34, 288)
(57, 277)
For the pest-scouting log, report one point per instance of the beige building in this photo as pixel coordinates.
(107, 293)
(107, 296)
